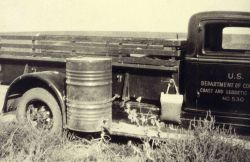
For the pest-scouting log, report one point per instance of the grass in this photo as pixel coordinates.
(206, 143)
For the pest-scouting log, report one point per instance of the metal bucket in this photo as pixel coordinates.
(171, 104)
(89, 93)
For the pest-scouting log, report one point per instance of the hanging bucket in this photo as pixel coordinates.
(171, 104)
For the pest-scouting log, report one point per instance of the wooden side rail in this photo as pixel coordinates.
(133, 40)
(99, 49)
(126, 52)
(95, 45)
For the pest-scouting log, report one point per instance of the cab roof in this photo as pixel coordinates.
(195, 20)
(225, 15)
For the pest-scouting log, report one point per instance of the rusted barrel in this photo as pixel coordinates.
(89, 93)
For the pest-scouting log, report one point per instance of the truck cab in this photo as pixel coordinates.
(215, 70)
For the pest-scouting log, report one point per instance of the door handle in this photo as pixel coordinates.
(33, 69)
(198, 94)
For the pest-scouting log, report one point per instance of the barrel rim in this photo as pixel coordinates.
(89, 58)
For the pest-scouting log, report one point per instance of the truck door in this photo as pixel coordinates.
(224, 69)
(189, 81)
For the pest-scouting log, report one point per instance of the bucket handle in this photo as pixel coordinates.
(171, 81)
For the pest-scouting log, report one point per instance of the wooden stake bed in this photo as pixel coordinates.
(145, 53)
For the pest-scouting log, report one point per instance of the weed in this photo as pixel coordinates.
(206, 142)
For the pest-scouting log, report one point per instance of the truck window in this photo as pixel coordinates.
(213, 37)
(226, 39)
(236, 38)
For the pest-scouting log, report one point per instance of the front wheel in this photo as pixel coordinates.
(39, 109)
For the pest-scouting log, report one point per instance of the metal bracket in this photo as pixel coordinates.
(26, 69)
(125, 91)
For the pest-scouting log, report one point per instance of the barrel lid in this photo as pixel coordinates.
(88, 58)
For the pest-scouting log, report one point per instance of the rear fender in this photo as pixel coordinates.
(52, 81)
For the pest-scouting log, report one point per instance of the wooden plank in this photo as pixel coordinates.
(16, 37)
(139, 51)
(126, 51)
(100, 39)
(109, 50)
(150, 41)
(149, 67)
(13, 45)
(146, 61)
(30, 56)
(166, 133)
(131, 40)
(104, 44)
(36, 54)
(17, 53)
(131, 130)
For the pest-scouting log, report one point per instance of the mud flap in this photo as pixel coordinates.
(171, 104)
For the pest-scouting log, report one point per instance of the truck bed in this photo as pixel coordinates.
(135, 52)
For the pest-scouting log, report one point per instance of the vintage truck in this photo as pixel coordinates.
(88, 82)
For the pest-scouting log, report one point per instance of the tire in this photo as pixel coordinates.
(38, 102)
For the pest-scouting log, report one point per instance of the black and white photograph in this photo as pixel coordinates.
(125, 80)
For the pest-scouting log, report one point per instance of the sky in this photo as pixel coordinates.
(107, 15)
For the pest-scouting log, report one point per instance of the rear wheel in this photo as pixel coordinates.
(39, 109)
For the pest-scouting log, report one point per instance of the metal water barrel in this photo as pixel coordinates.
(89, 93)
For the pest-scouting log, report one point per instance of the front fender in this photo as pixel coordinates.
(51, 80)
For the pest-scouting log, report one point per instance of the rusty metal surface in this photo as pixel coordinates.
(89, 93)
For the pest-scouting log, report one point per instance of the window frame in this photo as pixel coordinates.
(223, 52)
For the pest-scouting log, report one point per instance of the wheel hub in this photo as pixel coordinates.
(39, 115)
